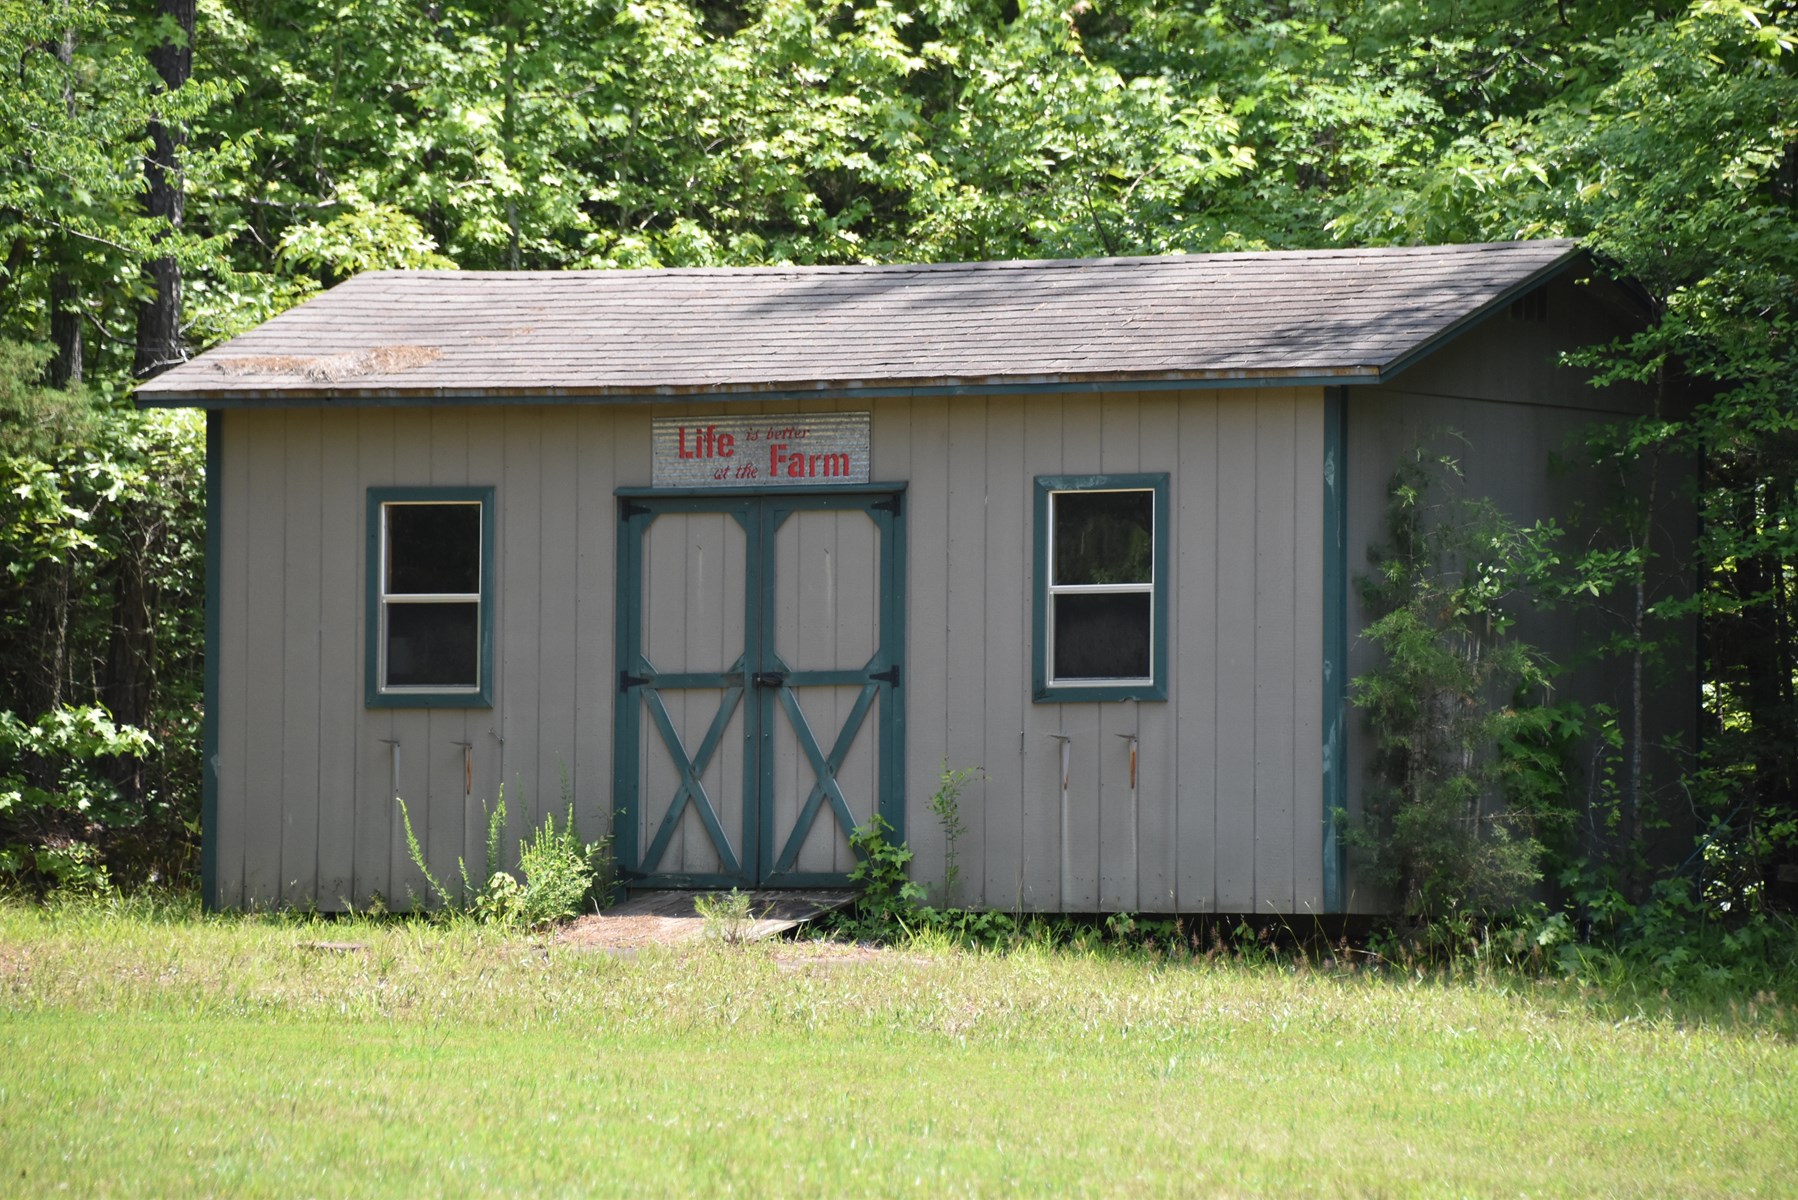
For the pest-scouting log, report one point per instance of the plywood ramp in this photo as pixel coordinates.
(672, 918)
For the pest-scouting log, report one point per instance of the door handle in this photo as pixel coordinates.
(770, 678)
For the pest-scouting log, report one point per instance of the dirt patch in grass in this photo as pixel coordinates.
(627, 932)
(603, 931)
(809, 955)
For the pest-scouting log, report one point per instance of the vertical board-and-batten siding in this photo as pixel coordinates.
(1226, 813)
(1498, 402)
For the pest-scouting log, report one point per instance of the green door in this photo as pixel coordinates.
(759, 715)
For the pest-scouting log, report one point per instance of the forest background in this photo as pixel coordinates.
(175, 171)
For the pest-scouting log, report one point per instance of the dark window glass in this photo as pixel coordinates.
(433, 549)
(1102, 636)
(1104, 537)
(433, 645)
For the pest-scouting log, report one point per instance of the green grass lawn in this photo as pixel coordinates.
(169, 1055)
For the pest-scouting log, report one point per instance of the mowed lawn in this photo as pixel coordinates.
(166, 1055)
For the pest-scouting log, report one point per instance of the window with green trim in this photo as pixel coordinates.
(1101, 587)
(430, 597)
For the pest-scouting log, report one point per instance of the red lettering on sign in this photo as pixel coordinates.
(806, 466)
(707, 443)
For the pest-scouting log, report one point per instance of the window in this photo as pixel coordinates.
(1101, 587)
(430, 588)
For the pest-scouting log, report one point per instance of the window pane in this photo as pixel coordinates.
(433, 548)
(1104, 537)
(1103, 636)
(433, 645)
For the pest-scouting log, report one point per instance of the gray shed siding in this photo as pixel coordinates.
(1226, 816)
(1499, 402)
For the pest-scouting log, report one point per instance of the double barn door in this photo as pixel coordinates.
(759, 716)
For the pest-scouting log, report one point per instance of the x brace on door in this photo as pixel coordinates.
(692, 769)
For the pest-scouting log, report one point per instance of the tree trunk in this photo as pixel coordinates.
(159, 317)
(511, 153)
(131, 645)
(1632, 825)
(131, 658)
(65, 297)
(65, 330)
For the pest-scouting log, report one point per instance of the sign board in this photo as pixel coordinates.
(752, 450)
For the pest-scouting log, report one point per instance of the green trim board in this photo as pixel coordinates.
(718, 498)
(210, 900)
(1335, 644)
(294, 398)
(764, 688)
(1043, 690)
(376, 695)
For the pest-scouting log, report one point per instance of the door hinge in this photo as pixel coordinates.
(890, 675)
(627, 681)
(893, 504)
(630, 508)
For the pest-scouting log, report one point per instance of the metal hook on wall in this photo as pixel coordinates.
(393, 745)
(1131, 738)
(1067, 861)
(1134, 813)
(467, 768)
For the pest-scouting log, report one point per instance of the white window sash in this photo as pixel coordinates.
(388, 599)
(1095, 589)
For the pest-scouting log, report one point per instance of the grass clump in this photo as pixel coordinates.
(726, 916)
(557, 875)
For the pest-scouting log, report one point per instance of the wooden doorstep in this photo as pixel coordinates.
(669, 917)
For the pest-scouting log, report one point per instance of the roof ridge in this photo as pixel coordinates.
(985, 265)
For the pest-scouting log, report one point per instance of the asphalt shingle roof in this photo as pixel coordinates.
(1349, 315)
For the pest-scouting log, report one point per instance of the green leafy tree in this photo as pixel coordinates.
(86, 484)
(1676, 164)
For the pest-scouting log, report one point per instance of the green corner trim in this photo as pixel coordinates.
(890, 516)
(1335, 664)
(210, 900)
(626, 710)
(1041, 690)
(374, 695)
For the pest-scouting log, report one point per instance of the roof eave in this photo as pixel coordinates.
(338, 397)
(1550, 271)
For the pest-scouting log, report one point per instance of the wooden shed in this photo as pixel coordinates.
(733, 559)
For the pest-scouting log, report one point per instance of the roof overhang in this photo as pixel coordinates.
(187, 389)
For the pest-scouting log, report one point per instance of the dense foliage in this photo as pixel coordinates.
(1470, 781)
(302, 141)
